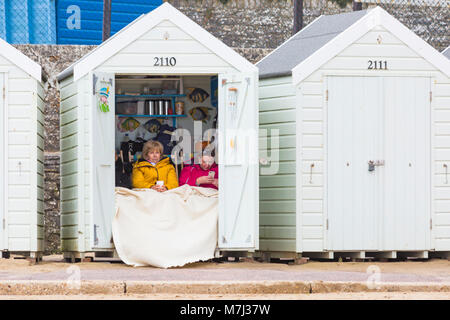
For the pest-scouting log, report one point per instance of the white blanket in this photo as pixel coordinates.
(166, 229)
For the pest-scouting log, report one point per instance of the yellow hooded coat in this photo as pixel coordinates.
(145, 174)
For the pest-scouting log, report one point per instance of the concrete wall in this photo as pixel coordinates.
(251, 23)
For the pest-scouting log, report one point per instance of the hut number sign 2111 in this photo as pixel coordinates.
(165, 61)
(377, 65)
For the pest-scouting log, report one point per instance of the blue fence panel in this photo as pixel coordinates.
(81, 21)
(42, 23)
(28, 21)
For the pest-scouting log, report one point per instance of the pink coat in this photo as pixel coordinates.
(190, 174)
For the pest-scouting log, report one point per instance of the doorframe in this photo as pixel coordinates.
(377, 73)
(4, 146)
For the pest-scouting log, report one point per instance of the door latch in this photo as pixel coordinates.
(373, 164)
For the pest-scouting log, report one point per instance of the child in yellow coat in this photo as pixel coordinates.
(152, 168)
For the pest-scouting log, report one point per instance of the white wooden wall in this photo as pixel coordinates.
(69, 164)
(24, 103)
(277, 205)
(311, 101)
(75, 168)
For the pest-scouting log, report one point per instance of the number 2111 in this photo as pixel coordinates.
(377, 65)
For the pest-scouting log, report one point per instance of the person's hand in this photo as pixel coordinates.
(204, 180)
(162, 188)
(216, 183)
(155, 187)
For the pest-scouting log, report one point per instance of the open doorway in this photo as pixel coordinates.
(178, 111)
(201, 96)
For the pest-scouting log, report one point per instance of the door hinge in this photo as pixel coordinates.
(326, 95)
(327, 224)
(4, 93)
(94, 77)
(95, 235)
(431, 96)
(431, 224)
(4, 223)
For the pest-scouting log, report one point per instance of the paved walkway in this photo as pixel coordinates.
(53, 268)
(208, 274)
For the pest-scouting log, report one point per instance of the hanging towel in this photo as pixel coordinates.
(165, 229)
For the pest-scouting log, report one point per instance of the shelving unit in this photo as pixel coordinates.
(150, 96)
(154, 96)
(173, 116)
(156, 82)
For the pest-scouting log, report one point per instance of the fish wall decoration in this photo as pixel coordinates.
(197, 94)
(152, 125)
(127, 124)
(201, 113)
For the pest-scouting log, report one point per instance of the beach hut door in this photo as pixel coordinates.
(379, 177)
(237, 144)
(103, 136)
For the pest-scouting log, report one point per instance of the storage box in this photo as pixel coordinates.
(126, 107)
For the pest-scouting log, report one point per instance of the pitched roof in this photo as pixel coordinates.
(325, 37)
(446, 52)
(374, 17)
(305, 42)
(142, 25)
(20, 60)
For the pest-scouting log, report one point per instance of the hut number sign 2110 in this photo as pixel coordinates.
(377, 65)
(165, 61)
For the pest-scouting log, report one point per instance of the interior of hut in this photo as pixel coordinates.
(153, 107)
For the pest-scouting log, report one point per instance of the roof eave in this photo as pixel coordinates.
(65, 74)
(19, 59)
(275, 75)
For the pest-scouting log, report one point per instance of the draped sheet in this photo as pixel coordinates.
(165, 229)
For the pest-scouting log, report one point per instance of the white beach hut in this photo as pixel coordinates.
(362, 105)
(21, 162)
(160, 49)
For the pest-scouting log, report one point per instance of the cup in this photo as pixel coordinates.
(179, 107)
(160, 183)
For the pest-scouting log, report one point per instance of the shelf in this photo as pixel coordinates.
(152, 116)
(150, 96)
(140, 78)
